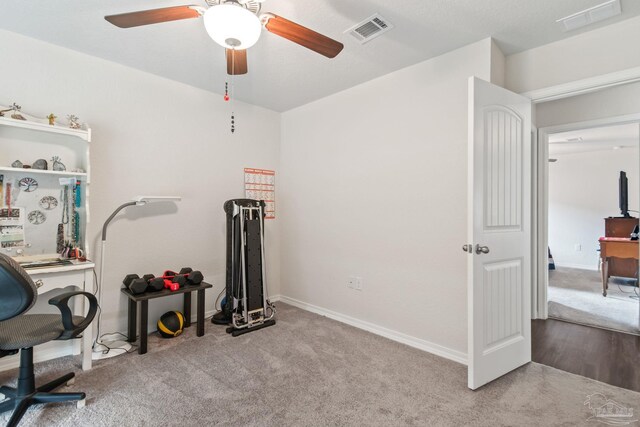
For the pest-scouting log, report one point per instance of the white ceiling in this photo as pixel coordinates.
(618, 137)
(283, 75)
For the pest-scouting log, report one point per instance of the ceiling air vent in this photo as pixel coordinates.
(370, 28)
(590, 16)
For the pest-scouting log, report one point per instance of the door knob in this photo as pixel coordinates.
(482, 249)
(467, 248)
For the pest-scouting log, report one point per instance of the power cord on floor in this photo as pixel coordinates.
(107, 348)
(635, 291)
(215, 305)
(98, 340)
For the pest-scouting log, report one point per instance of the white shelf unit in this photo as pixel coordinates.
(41, 172)
(84, 134)
(29, 140)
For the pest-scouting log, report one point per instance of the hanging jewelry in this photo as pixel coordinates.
(74, 217)
(76, 229)
(60, 239)
(65, 205)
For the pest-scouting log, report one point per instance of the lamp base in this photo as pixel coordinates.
(111, 349)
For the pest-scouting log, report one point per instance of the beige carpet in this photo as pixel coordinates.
(575, 295)
(309, 370)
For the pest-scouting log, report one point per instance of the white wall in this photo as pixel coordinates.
(374, 184)
(150, 136)
(601, 51)
(576, 216)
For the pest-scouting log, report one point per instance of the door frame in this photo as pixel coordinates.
(584, 86)
(541, 203)
(539, 193)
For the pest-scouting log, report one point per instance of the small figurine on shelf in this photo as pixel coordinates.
(74, 121)
(52, 119)
(16, 112)
(58, 165)
(17, 164)
(15, 108)
(40, 164)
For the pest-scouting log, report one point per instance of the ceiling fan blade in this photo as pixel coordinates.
(303, 36)
(237, 62)
(153, 16)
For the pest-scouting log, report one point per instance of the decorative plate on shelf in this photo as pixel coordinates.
(28, 184)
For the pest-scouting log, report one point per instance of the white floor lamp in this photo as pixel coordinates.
(123, 346)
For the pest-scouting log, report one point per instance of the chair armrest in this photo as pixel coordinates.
(72, 330)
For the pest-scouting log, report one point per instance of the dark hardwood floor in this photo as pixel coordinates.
(607, 356)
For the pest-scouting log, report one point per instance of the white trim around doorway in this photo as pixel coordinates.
(541, 282)
(584, 86)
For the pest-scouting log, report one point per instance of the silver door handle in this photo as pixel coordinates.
(467, 248)
(482, 249)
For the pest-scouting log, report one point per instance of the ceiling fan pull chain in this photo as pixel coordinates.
(233, 75)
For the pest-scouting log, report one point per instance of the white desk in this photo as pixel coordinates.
(80, 276)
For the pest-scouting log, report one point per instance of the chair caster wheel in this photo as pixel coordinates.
(71, 382)
(81, 403)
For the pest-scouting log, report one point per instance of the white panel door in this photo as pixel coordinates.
(499, 249)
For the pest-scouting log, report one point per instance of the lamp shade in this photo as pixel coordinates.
(232, 26)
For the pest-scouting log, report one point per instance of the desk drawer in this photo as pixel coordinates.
(58, 280)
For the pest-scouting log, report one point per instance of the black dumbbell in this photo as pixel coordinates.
(135, 284)
(138, 286)
(155, 283)
(128, 279)
(195, 278)
(180, 280)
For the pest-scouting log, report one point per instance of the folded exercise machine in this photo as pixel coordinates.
(246, 306)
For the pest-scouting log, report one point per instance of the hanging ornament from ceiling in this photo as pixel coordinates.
(229, 97)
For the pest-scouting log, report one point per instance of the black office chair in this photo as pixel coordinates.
(21, 332)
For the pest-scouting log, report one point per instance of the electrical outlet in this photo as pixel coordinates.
(351, 282)
(577, 247)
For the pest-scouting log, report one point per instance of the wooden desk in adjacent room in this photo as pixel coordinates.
(616, 247)
(621, 227)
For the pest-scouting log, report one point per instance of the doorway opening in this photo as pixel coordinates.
(584, 142)
(594, 189)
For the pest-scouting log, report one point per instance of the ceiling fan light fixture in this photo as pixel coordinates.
(232, 26)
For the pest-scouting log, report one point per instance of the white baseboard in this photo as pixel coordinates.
(429, 347)
(577, 266)
(41, 353)
(57, 349)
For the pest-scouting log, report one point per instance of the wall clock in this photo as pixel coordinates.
(28, 184)
(48, 203)
(36, 217)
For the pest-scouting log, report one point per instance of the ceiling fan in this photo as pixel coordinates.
(235, 25)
